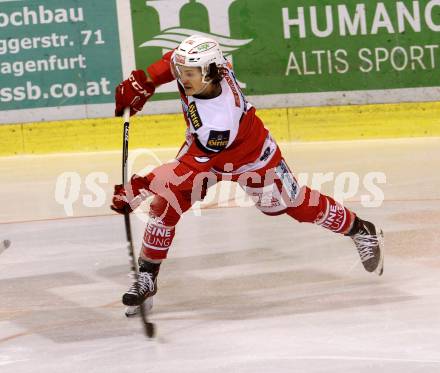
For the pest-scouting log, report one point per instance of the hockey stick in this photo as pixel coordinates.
(148, 326)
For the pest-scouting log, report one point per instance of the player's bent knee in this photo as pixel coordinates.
(161, 209)
(267, 199)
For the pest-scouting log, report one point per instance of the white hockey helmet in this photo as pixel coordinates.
(198, 51)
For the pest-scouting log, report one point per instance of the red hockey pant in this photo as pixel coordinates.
(275, 192)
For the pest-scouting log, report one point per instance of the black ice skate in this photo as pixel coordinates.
(145, 287)
(368, 243)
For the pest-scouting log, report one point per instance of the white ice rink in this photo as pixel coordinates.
(240, 292)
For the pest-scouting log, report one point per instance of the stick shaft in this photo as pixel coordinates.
(148, 327)
(125, 172)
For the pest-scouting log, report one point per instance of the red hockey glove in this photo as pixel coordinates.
(133, 92)
(120, 202)
(127, 200)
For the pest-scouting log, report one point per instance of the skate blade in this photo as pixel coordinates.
(379, 269)
(133, 311)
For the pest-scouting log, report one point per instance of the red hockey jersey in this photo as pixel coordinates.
(224, 134)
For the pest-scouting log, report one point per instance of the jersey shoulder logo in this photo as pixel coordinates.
(233, 89)
(218, 140)
(194, 116)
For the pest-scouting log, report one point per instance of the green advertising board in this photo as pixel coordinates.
(65, 58)
(299, 46)
(58, 53)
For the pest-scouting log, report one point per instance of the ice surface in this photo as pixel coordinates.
(240, 292)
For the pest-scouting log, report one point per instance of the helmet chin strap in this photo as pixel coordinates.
(202, 89)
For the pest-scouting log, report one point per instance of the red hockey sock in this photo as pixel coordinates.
(322, 210)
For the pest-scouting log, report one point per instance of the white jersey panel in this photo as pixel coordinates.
(215, 122)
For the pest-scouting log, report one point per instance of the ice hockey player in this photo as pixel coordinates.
(224, 136)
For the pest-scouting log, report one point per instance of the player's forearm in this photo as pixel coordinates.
(160, 71)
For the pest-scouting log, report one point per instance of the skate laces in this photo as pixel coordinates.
(144, 284)
(365, 243)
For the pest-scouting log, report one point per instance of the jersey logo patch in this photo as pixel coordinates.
(218, 140)
(288, 180)
(266, 154)
(194, 116)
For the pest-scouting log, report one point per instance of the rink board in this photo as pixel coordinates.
(62, 60)
(167, 130)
